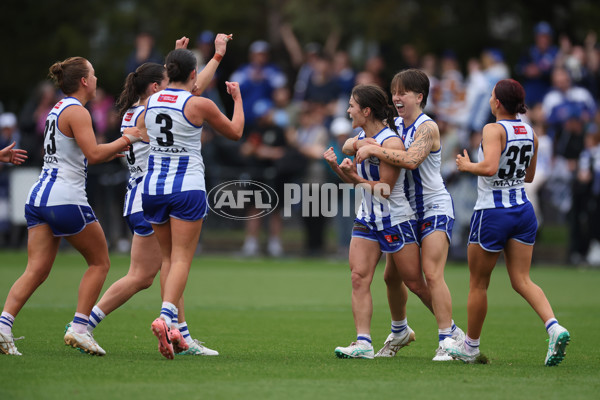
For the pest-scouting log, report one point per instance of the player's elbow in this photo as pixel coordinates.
(234, 134)
(529, 178)
(489, 170)
(93, 159)
(237, 135)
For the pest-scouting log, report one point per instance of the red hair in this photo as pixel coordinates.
(511, 95)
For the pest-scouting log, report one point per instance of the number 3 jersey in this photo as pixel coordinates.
(137, 161)
(175, 163)
(506, 188)
(63, 177)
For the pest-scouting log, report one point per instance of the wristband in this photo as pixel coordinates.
(217, 57)
(354, 145)
(127, 140)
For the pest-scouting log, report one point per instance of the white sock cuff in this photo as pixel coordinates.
(99, 313)
(471, 342)
(550, 323)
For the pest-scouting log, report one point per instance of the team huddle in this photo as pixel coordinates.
(398, 147)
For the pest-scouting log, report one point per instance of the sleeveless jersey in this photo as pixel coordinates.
(375, 212)
(506, 188)
(137, 160)
(424, 186)
(64, 173)
(175, 163)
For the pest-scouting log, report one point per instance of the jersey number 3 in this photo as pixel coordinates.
(166, 125)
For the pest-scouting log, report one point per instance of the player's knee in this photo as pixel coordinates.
(434, 278)
(101, 266)
(418, 288)
(519, 285)
(359, 281)
(36, 278)
(145, 282)
(391, 279)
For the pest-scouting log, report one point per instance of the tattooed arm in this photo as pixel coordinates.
(427, 139)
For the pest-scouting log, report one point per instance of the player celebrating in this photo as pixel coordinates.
(57, 204)
(427, 195)
(384, 222)
(146, 259)
(173, 189)
(504, 219)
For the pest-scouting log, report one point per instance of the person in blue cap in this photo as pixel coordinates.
(535, 66)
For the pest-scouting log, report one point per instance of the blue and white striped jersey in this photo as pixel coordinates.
(376, 212)
(506, 188)
(424, 186)
(137, 161)
(175, 163)
(64, 173)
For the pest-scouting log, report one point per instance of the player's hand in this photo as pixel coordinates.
(330, 157)
(233, 88)
(462, 161)
(182, 43)
(133, 134)
(11, 155)
(221, 43)
(347, 166)
(365, 152)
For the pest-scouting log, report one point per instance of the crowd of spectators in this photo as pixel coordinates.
(292, 117)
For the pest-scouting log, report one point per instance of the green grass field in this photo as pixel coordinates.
(276, 324)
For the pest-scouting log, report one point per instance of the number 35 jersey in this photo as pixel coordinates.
(63, 177)
(175, 163)
(506, 188)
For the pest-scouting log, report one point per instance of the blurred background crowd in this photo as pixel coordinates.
(296, 85)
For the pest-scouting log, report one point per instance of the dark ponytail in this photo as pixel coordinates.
(391, 118)
(136, 84)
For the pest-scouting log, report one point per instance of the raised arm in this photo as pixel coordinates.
(200, 109)
(207, 73)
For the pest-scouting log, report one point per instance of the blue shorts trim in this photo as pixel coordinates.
(427, 226)
(63, 220)
(138, 225)
(391, 239)
(190, 205)
(492, 228)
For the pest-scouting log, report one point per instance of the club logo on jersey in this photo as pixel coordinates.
(374, 160)
(128, 116)
(520, 130)
(167, 98)
(57, 106)
(392, 238)
(234, 199)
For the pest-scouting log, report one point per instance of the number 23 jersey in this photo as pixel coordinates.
(63, 177)
(506, 188)
(175, 163)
